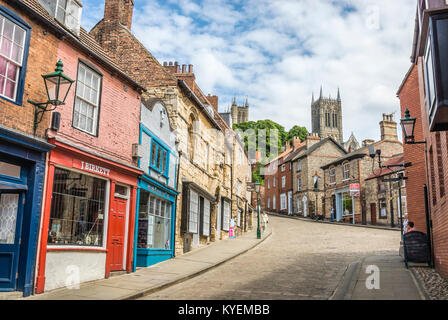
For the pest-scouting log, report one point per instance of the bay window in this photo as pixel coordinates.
(85, 113)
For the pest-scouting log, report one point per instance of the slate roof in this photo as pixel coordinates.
(317, 146)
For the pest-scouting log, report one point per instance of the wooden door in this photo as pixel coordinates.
(117, 234)
(373, 214)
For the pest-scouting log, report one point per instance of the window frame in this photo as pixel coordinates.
(21, 77)
(283, 202)
(165, 151)
(299, 184)
(100, 91)
(77, 29)
(344, 171)
(332, 174)
(284, 182)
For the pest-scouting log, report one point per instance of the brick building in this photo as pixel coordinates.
(307, 162)
(426, 85)
(278, 181)
(409, 95)
(353, 169)
(28, 55)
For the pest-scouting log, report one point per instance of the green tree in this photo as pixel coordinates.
(297, 131)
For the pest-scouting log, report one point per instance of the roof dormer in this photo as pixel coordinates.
(66, 12)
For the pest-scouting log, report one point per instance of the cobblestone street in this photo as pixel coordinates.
(301, 260)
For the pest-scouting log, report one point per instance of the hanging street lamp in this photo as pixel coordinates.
(57, 86)
(316, 190)
(257, 190)
(408, 126)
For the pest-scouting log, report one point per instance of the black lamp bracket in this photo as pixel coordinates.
(39, 111)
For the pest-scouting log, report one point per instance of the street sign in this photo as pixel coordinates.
(355, 190)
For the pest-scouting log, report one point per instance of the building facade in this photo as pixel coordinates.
(308, 176)
(429, 60)
(326, 117)
(344, 178)
(88, 217)
(28, 53)
(386, 201)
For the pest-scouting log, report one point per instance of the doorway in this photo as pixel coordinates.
(117, 233)
(373, 214)
(11, 215)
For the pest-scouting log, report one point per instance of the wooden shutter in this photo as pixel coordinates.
(193, 218)
(205, 219)
(226, 217)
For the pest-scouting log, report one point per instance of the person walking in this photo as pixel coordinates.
(332, 214)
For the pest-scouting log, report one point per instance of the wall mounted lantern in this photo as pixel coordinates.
(57, 86)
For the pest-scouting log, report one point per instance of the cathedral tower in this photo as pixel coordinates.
(240, 114)
(326, 117)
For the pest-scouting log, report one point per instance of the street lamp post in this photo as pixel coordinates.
(257, 190)
(57, 86)
(408, 127)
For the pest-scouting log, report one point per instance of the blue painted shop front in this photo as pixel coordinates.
(22, 167)
(158, 245)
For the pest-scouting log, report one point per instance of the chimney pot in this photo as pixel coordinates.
(184, 68)
(190, 68)
(165, 64)
(171, 63)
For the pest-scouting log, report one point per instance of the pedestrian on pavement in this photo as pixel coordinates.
(265, 220)
(405, 222)
(411, 227)
(332, 214)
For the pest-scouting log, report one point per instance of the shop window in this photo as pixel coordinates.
(67, 12)
(14, 43)
(77, 210)
(159, 158)
(87, 101)
(347, 204)
(154, 222)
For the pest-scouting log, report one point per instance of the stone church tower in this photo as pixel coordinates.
(326, 117)
(240, 114)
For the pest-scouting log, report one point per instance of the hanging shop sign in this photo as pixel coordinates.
(355, 190)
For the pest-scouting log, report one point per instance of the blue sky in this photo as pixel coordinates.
(277, 52)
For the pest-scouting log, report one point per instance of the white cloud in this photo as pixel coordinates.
(279, 52)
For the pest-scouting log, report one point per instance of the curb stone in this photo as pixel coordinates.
(418, 283)
(346, 286)
(334, 223)
(149, 291)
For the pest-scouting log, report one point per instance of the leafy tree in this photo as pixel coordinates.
(297, 131)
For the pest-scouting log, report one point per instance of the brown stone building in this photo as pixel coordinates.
(306, 164)
(206, 173)
(383, 205)
(351, 171)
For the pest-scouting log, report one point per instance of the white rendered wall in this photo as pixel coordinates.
(63, 266)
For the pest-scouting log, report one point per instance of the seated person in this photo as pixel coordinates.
(410, 227)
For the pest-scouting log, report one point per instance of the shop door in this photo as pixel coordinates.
(11, 212)
(373, 213)
(117, 234)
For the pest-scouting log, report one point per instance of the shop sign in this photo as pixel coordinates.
(354, 190)
(95, 169)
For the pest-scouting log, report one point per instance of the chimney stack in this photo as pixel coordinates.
(213, 101)
(190, 68)
(184, 68)
(367, 142)
(388, 128)
(119, 11)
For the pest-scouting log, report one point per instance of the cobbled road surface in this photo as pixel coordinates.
(301, 260)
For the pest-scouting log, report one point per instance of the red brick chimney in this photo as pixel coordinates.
(213, 101)
(119, 11)
(297, 143)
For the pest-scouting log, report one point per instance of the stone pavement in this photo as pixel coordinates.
(160, 276)
(394, 281)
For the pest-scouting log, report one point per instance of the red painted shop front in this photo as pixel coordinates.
(88, 218)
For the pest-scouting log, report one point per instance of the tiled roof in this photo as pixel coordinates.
(85, 41)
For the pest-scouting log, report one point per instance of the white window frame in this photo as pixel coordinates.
(283, 167)
(283, 202)
(273, 203)
(9, 59)
(332, 173)
(206, 218)
(273, 183)
(80, 100)
(269, 203)
(226, 216)
(299, 184)
(269, 183)
(345, 172)
(299, 166)
(67, 13)
(284, 182)
(193, 217)
(299, 205)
